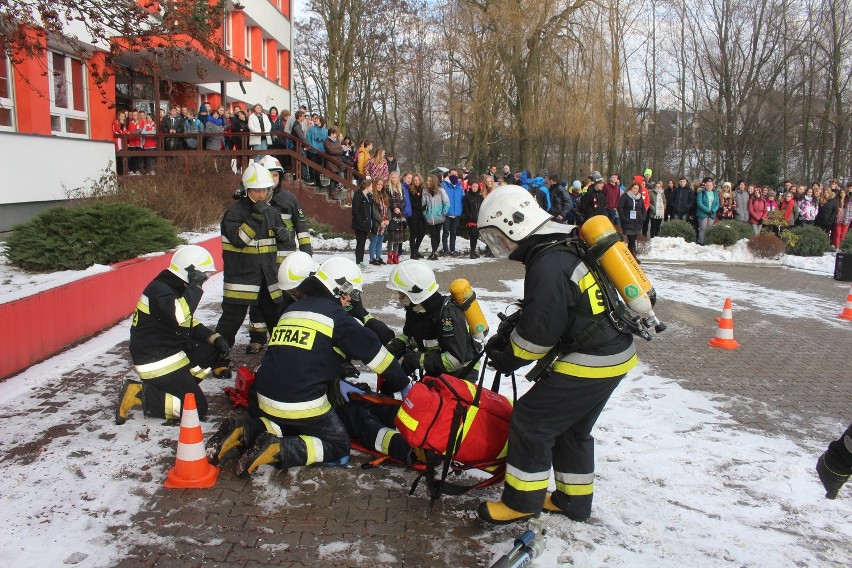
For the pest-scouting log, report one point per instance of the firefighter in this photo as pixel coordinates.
(435, 337)
(171, 350)
(562, 309)
(291, 409)
(252, 232)
(834, 466)
(288, 207)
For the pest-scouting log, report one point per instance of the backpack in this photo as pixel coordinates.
(463, 422)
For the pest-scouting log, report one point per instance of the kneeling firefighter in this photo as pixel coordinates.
(291, 407)
(565, 321)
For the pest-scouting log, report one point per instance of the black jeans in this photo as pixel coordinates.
(448, 237)
(360, 240)
(473, 235)
(435, 236)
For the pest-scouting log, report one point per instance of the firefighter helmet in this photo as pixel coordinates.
(296, 267)
(272, 164)
(340, 275)
(509, 215)
(192, 255)
(413, 278)
(256, 176)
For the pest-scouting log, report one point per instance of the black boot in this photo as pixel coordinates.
(831, 478)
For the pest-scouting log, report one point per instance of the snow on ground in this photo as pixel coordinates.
(679, 481)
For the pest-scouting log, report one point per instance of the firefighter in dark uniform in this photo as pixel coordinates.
(252, 232)
(552, 423)
(288, 207)
(306, 349)
(171, 350)
(835, 465)
(435, 338)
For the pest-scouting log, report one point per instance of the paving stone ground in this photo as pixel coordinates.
(789, 375)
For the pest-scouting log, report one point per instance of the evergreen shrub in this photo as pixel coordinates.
(77, 237)
(678, 228)
(808, 241)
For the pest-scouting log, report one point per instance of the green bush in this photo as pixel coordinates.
(721, 234)
(808, 241)
(766, 245)
(741, 228)
(846, 245)
(78, 237)
(678, 228)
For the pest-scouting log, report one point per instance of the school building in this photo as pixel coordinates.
(56, 121)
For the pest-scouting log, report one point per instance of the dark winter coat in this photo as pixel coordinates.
(470, 207)
(827, 214)
(683, 199)
(560, 201)
(362, 212)
(593, 203)
(631, 213)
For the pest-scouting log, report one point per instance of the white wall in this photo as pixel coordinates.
(36, 167)
(262, 13)
(258, 90)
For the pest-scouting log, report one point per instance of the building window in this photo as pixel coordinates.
(227, 33)
(248, 45)
(263, 56)
(7, 106)
(68, 113)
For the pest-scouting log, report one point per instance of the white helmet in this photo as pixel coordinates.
(256, 176)
(340, 275)
(271, 163)
(509, 215)
(413, 278)
(296, 267)
(192, 255)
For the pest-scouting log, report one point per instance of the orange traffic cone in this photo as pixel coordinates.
(847, 311)
(191, 466)
(725, 332)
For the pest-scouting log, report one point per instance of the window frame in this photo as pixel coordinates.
(65, 113)
(9, 102)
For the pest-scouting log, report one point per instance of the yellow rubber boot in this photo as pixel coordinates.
(496, 512)
(130, 397)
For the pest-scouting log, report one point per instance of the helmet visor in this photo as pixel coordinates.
(501, 246)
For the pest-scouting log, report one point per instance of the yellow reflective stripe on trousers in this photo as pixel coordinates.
(574, 489)
(183, 316)
(383, 439)
(200, 373)
(315, 451)
(162, 367)
(587, 372)
(271, 426)
(406, 419)
(142, 305)
(525, 481)
(294, 410)
(172, 407)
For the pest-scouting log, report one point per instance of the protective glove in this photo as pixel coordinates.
(258, 210)
(282, 235)
(410, 362)
(396, 346)
(496, 362)
(196, 277)
(356, 309)
(220, 343)
(347, 389)
(496, 343)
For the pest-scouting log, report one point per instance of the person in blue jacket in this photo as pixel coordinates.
(455, 192)
(316, 136)
(707, 205)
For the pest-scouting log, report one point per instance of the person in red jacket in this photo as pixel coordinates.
(134, 140)
(612, 190)
(120, 129)
(756, 211)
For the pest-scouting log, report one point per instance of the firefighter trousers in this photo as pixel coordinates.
(373, 427)
(551, 428)
(257, 326)
(233, 315)
(162, 397)
(839, 454)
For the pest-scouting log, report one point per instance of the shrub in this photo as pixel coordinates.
(846, 245)
(78, 237)
(809, 241)
(741, 228)
(766, 245)
(775, 222)
(192, 201)
(720, 234)
(678, 228)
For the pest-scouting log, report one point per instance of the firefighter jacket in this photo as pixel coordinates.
(287, 205)
(563, 303)
(440, 335)
(163, 326)
(249, 251)
(306, 349)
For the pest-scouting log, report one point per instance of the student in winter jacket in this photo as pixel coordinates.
(790, 208)
(377, 166)
(727, 203)
(657, 208)
(844, 217)
(827, 214)
(215, 139)
(593, 201)
(436, 205)
(381, 220)
(631, 212)
(707, 205)
(756, 211)
(453, 187)
(362, 157)
(362, 218)
(396, 227)
(808, 208)
(683, 199)
(470, 212)
(741, 197)
(560, 202)
(612, 189)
